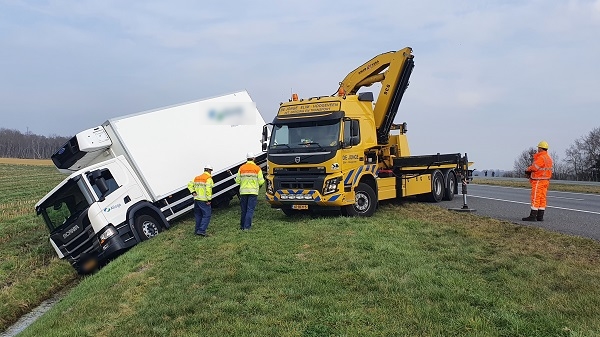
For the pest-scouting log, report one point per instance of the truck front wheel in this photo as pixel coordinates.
(147, 227)
(365, 202)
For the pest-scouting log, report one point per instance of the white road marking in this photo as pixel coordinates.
(549, 196)
(527, 203)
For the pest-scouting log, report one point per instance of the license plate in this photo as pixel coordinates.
(299, 206)
(90, 265)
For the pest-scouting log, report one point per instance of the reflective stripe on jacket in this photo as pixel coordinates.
(250, 178)
(202, 185)
(541, 169)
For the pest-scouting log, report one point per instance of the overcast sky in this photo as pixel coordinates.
(491, 78)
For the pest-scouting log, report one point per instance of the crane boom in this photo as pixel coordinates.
(393, 70)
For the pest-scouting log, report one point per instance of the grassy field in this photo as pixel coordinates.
(29, 269)
(411, 270)
(31, 162)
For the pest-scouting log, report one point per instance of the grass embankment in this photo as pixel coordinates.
(555, 185)
(411, 270)
(29, 269)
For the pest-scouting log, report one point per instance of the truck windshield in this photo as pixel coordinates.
(322, 134)
(65, 204)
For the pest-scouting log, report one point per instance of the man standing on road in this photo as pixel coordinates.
(539, 174)
(201, 189)
(250, 178)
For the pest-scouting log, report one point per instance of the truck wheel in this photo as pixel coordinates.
(147, 227)
(450, 182)
(365, 202)
(437, 186)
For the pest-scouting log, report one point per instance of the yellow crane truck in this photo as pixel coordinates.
(344, 152)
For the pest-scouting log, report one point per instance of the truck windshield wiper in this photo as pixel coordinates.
(276, 145)
(312, 143)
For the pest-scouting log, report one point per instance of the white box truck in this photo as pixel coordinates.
(128, 177)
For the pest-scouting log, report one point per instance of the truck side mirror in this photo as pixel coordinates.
(265, 137)
(265, 133)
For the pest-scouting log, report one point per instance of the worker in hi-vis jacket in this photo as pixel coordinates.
(539, 174)
(250, 178)
(201, 189)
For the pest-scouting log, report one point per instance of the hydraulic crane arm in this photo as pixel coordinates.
(393, 70)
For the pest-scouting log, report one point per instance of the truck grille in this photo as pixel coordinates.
(305, 185)
(82, 243)
(298, 170)
(311, 182)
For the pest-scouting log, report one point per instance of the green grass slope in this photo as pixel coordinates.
(411, 270)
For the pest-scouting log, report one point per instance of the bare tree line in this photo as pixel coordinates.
(581, 162)
(14, 144)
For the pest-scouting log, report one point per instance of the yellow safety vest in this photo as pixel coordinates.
(202, 185)
(250, 178)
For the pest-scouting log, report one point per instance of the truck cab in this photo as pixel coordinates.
(91, 214)
(314, 147)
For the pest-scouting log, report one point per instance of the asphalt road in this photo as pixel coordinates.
(569, 213)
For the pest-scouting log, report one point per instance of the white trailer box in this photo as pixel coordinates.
(128, 177)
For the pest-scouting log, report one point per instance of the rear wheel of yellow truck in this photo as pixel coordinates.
(437, 186)
(365, 202)
(450, 183)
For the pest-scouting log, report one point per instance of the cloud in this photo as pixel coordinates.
(484, 71)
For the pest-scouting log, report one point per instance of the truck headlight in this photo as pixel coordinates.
(331, 186)
(109, 232)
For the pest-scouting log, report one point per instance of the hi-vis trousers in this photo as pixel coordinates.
(539, 189)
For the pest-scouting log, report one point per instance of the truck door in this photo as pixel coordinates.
(112, 199)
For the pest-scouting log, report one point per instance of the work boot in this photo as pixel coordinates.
(540, 215)
(532, 216)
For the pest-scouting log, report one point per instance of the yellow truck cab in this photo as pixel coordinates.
(343, 152)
